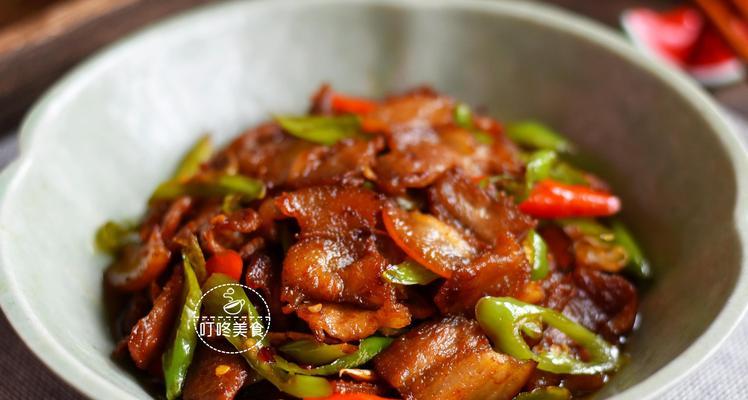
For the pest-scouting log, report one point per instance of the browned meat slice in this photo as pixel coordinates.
(331, 211)
(501, 271)
(139, 265)
(348, 323)
(343, 387)
(263, 275)
(149, 335)
(335, 270)
(174, 216)
(344, 163)
(463, 204)
(450, 359)
(412, 110)
(416, 166)
(226, 231)
(268, 154)
(216, 376)
(614, 296)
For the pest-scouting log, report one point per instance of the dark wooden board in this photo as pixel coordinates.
(38, 49)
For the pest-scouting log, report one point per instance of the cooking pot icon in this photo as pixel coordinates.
(233, 307)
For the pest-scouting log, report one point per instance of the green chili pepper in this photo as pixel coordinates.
(545, 393)
(538, 136)
(638, 265)
(112, 236)
(463, 117)
(293, 384)
(191, 249)
(539, 167)
(566, 173)
(220, 185)
(537, 255)
(314, 353)
(502, 318)
(322, 129)
(177, 358)
(198, 154)
(409, 273)
(367, 349)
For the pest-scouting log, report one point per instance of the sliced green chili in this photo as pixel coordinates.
(177, 358)
(537, 255)
(294, 384)
(113, 236)
(638, 265)
(314, 353)
(566, 173)
(409, 273)
(545, 393)
(220, 185)
(367, 349)
(322, 129)
(539, 167)
(535, 135)
(463, 117)
(502, 319)
(191, 249)
(200, 152)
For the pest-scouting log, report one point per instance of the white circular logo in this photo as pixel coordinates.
(230, 322)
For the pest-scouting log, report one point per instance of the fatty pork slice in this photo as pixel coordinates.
(150, 334)
(463, 204)
(501, 271)
(450, 359)
(216, 376)
(332, 275)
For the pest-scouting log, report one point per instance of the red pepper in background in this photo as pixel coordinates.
(550, 199)
(227, 262)
(350, 396)
(351, 105)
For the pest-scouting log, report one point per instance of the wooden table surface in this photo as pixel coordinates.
(32, 60)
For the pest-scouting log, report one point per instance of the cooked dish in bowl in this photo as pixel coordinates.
(404, 248)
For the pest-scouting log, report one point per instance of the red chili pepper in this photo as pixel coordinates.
(350, 396)
(227, 262)
(351, 105)
(550, 199)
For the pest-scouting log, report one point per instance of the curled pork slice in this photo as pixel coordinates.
(149, 336)
(139, 264)
(335, 270)
(331, 211)
(410, 110)
(450, 359)
(268, 154)
(463, 204)
(336, 265)
(501, 271)
(348, 323)
(345, 163)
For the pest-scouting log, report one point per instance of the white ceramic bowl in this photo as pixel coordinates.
(101, 139)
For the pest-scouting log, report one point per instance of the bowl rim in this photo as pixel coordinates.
(73, 371)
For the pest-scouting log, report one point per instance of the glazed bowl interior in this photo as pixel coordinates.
(101, 140)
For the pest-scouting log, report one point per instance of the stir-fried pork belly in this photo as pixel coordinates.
(450, 359)
(373, 229)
